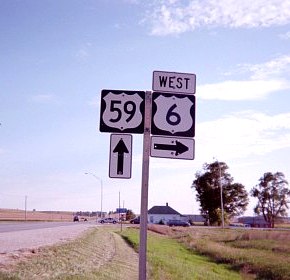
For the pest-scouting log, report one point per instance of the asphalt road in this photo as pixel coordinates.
(17, 239)
(19, 226)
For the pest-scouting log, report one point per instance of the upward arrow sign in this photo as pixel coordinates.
(121, 149)
(120, 156)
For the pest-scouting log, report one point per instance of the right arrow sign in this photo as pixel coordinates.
(172, 147)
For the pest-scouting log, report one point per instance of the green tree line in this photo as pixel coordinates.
(221, 198)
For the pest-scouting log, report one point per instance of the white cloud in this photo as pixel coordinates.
(285, 36)
(273, 68)
(174, 17)
(243, 134)
(263, 79)
(241, 90)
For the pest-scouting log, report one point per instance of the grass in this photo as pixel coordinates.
(263, 253)
(99, 254)
(173, 253)
(256, 254)
(169, 260)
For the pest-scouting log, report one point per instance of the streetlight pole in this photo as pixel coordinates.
(101, 181)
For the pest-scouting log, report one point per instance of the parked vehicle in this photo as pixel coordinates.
(76, 219)
(178, 223)
(135, 220)
(240, 225)
(108, 221)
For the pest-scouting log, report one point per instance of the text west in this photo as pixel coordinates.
(173, 82)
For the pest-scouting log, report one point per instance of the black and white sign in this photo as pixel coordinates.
(173, 114)
(120, 156)
(173, 82)
(122, 111)
(172, 147)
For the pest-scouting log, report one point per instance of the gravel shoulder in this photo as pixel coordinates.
(86, 251)
(14, 245)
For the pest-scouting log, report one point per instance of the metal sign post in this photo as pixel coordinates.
(144, 190)
(169, 111)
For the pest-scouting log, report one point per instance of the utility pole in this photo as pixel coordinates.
(144, 190)
(25, 208)
(221, 193)
(120, 218)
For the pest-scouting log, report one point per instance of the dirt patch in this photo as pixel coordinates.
(124, 264)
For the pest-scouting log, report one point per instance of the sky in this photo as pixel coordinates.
(57, 56)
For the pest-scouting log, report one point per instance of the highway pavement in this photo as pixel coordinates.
(19, 226)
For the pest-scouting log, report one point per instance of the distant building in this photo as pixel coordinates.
(162, 214)
(255, 221)
(194, 219)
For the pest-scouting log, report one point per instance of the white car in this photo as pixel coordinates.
(108, 220)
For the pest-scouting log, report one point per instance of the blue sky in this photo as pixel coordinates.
(57, 56)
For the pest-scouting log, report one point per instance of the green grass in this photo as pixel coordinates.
(169, 260)
(263, 253)
(99, 254)
(173, 253)
(256, 254)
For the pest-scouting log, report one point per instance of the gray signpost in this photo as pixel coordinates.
(144, 190)
(168, 114)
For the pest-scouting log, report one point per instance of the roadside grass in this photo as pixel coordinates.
(171, 260)
(173, 253)
(283, 225)
(99, 254)
(265, 253)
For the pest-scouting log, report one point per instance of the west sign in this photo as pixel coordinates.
(174, 82)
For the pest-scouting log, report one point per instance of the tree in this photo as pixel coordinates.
(207, 186)
(130, 215)
(272, 194)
